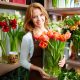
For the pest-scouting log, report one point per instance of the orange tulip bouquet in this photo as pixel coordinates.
(53, 44)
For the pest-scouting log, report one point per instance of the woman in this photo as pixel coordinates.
(36, 22)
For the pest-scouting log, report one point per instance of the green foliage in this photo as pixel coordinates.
(56, 26)
(76, 18)
(69, 21)
(68, 75)
(52, 54)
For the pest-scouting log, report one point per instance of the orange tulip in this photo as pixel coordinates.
(50, 34)
(36, 37)
(43, 44)
(44, 37)
(62, 38)
(56, 35)
(67, 35)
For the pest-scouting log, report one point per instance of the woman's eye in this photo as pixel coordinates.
(34, 17)
(41, 15)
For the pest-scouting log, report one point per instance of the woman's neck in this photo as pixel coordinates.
(39, 30)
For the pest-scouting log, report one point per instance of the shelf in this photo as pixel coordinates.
(10, 5)
(4, 68)
(64, 11)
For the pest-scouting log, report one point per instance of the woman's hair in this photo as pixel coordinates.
(28, 24)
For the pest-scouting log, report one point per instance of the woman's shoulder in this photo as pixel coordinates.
(28, 35)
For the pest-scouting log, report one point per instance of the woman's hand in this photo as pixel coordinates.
(62, 62)
(43, 74)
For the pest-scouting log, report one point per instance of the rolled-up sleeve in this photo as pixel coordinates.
(25, 53)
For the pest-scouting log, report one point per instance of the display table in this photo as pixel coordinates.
(13, 72)
(5, 68)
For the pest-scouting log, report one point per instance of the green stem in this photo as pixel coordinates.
(3, 49)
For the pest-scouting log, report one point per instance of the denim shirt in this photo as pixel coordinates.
(27, 48)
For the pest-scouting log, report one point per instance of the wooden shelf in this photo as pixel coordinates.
(60, 11)
(4, 68)
(10, 5)
(64, 11)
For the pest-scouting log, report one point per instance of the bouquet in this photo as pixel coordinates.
(53, 44)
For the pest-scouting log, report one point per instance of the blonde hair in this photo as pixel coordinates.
(28, 24)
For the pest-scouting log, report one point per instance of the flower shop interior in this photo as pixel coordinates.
(64, 16)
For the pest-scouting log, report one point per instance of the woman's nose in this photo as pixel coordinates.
(39, 18)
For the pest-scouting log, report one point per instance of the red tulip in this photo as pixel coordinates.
(13, 23)
(13, 26)
(3, 23)
(5, 29)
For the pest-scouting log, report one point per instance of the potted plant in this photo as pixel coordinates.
(11, 27)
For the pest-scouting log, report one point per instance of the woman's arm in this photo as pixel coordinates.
(24, 59)
(36, 68)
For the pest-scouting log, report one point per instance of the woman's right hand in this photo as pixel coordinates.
(43, 74)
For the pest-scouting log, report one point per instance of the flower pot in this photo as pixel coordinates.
(12, 57)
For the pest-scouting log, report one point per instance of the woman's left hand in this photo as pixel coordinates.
(62, 62)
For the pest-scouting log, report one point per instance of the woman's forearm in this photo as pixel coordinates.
(40, 70)
(33, 67)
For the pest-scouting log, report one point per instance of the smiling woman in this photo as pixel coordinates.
(31, 57)
(36, 21)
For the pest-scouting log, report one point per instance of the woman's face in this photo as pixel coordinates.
(38, 18)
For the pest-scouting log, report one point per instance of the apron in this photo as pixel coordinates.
(37, 59)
